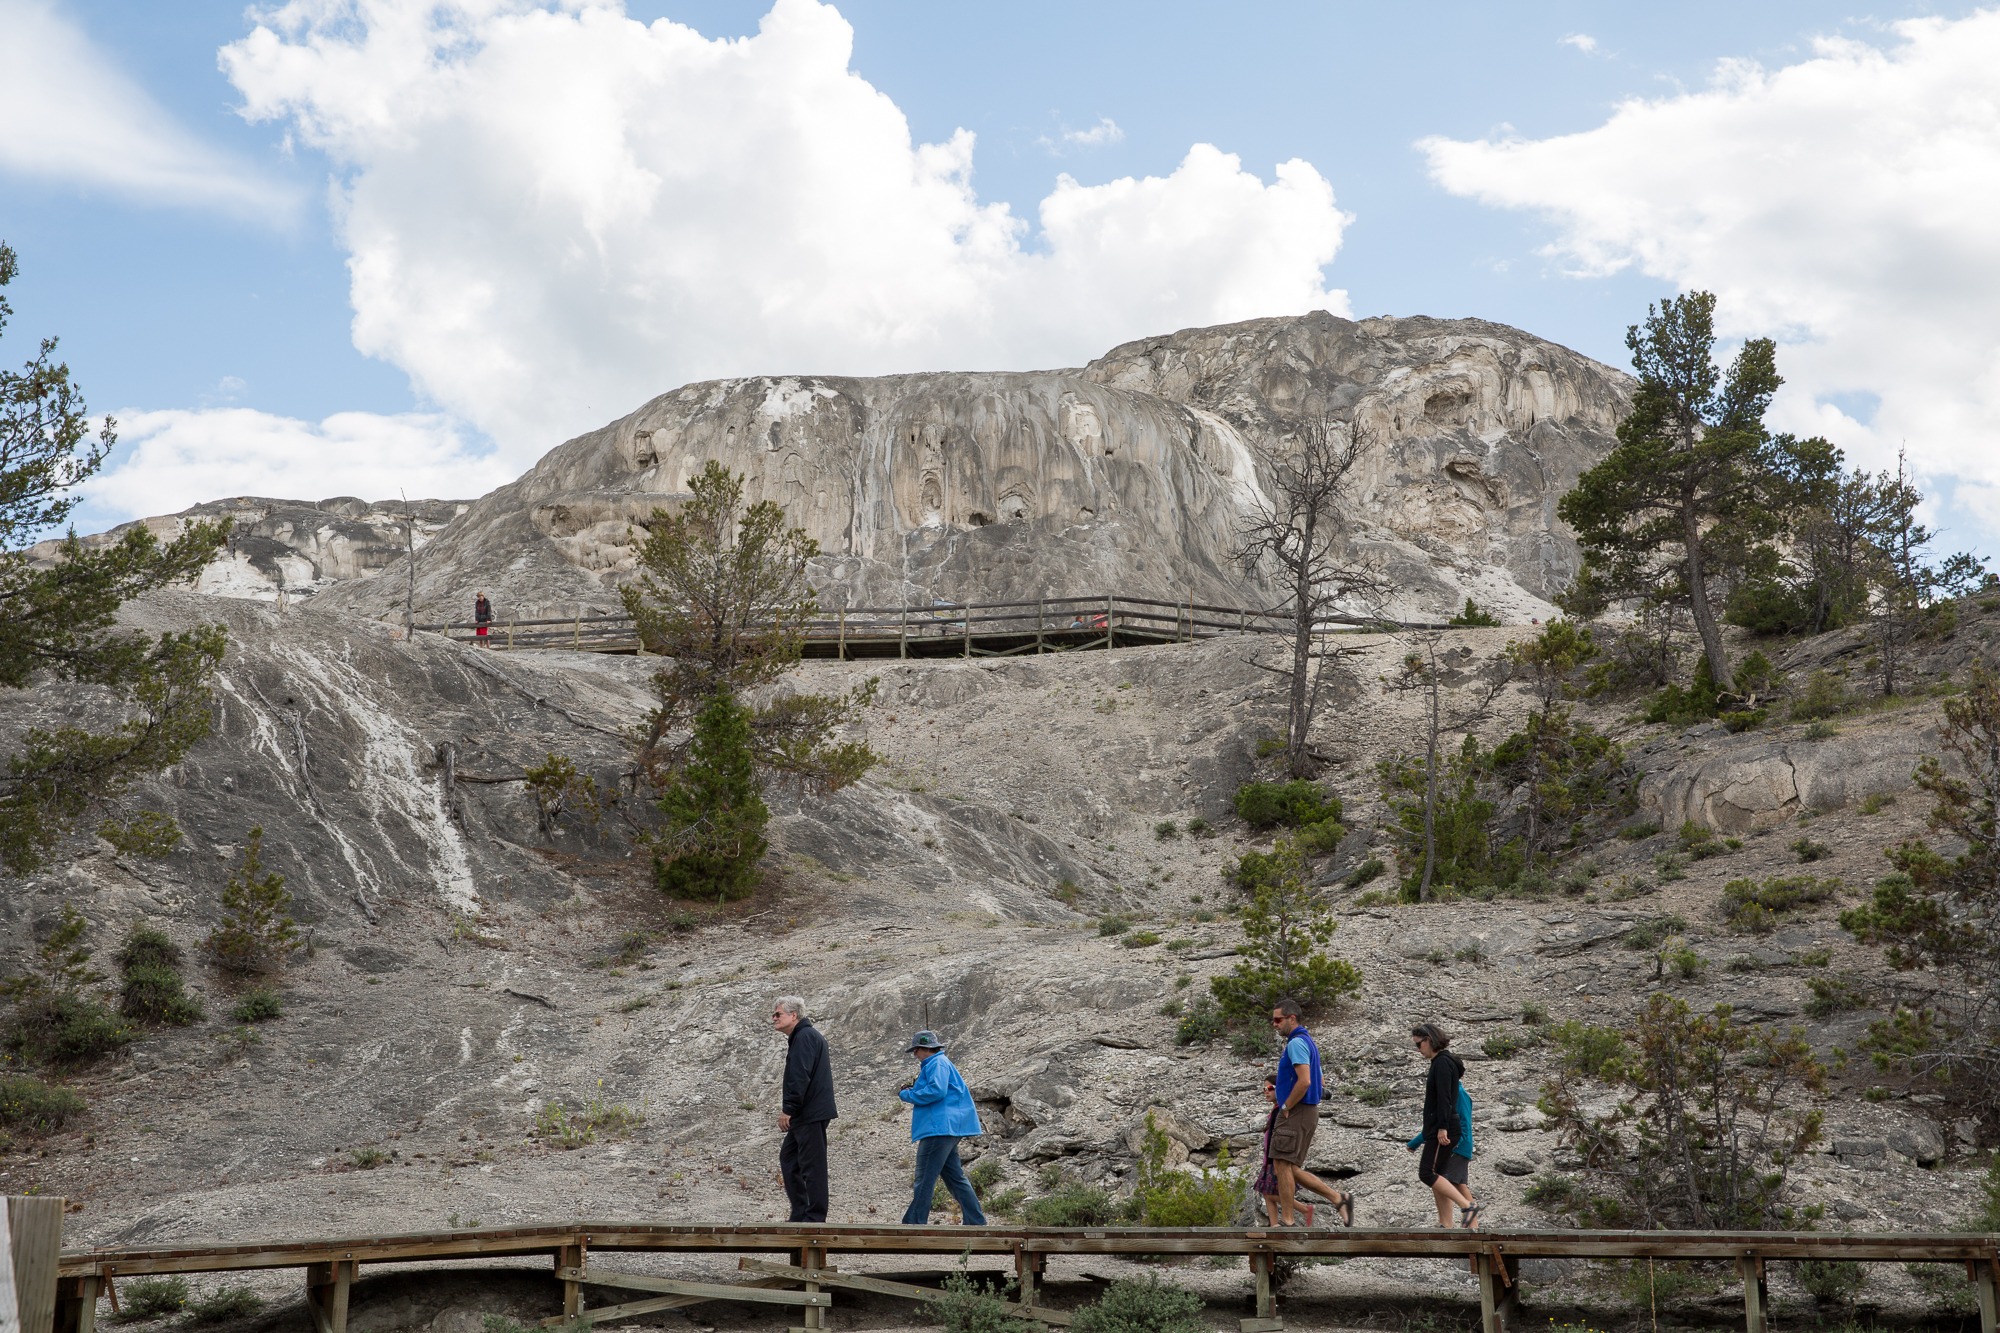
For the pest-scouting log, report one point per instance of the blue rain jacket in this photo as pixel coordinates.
(940, 1103)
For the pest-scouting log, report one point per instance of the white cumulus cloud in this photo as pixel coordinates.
(553, 211)
(1105, 131)
(67, 113)
(168, 460)
(1844, 204)
(1582, 41)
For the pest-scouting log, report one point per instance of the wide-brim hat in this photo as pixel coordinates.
(927, 1040)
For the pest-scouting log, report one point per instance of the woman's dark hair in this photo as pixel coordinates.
(1432, 1033)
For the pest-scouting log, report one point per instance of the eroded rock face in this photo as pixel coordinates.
(1131, 474)
(294, 548)
(1738, 784)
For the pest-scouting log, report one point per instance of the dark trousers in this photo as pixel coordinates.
(802, 1161)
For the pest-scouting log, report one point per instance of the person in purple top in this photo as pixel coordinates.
(941, 1113)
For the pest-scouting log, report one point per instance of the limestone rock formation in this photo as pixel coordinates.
(294, 548)
(1130, 474)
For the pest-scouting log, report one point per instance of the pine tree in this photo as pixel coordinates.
(714, 814)
(1285, 930)
(57, 618)
(256, 933)
(1693, 489)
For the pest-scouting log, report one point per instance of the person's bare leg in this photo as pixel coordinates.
(1445, 1194)
(1286, 1187)
(1316, 1185)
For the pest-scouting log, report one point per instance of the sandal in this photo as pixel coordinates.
(1346, 1209)
(1469, 1217)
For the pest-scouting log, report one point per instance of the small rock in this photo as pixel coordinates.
(1515, 1166)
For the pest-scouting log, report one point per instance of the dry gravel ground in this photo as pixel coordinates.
(932, 895)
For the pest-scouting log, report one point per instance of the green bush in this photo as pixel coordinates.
(1824, 696)
(1072, 1206)
(1556, 1194)
(971, 1306)
(1366, 873)
(225, 1304)
(1754, 907)
(1809, 851)
(1833, 995)
(1593, 1052)
(1474, 616)
(1141, 939)
(1653, 933)
(153, 989)
(1831, 1281)
(155, 994)
(34, 1108)
(1285, 929)
(66, 1030)
(1685, 962)
(152, 1298)
(1166, 830)
(1202, 1023)
(1150, 1306)
(1504, 1045)
(1987, 1216)
(1113, 925)
(257, 1006)
(1170, 1198)
(1267, 805)
(984, 1175)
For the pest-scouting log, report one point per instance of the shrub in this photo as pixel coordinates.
(1503, 1045)
(1640, 832)
(1557, 1194)
(1655, 932)
(1473, 616)
(1371, 1094)
(1112, 925)
(152, 1298)
(1200, 828)
(1589, 1051)
(1072, 1206)
(1149, 1306)
(1876, 802)
(1669, 868)
(367, 1159)
(1267, 805)
(256, 933)
(1686, 963)
(1809, 851)
(1170, 1198)
(1824, 696)
(153, 989)
(1366, 873)
(1166, 830)
(1945, 1287)
(713, 811)
(224, 1304)
(1831, 1281)
(1987, 1216)
(971, 1306)
(1202, 1023)
(34, 1108)
(1750, 906)
(1141, 939)
(984, 1175)
(1833, 995)
(257, 1006)
(56, 1020)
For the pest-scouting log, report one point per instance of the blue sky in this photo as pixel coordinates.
(212, 305)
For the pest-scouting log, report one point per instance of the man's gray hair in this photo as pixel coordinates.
(792, 1004)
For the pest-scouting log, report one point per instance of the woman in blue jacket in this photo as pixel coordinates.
(941, 1113)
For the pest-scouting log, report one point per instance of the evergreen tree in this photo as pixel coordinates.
(57, 1019)
(256, 933)
(57, 617)
(1692, 490)
(714, 814)
(1285, 929)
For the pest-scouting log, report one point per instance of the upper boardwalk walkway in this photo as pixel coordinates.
(950, 629)
(804, 1279)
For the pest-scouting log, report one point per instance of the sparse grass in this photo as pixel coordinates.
(1809, 851)
(1534, 1013)
(1820, 731)
(1371, 1094)
(1815, 958)
(1366, 873)
(1685, 963)
(366, 1159)
(1876, 802)
(1700, 842)
(1833, 995)
(1756, 908)
(1669, 867)
(1200, 828)
(1640, 832)
(1072, 1205)
(569, 1128)
(1112, 925)
(33, 1108)
(1141, 939)
(1504, 1045)
(1471, 953)
(1652, 934)
(1166, 830)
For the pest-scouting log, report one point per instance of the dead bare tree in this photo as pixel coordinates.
(1300, 532)
(1424, 670)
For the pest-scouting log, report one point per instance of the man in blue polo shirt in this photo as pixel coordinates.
(1298, 1096)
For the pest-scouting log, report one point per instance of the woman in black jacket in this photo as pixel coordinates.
(1438, 1166)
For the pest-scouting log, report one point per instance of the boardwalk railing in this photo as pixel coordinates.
(806, 1281)
(949, 629)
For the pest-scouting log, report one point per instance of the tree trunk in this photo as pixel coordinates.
(1300, 719)
(1704, 614)
(1430, 793)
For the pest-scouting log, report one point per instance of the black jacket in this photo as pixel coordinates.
(1441, 1097)
(809, 1076)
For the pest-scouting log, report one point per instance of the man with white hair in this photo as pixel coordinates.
(805, 1108)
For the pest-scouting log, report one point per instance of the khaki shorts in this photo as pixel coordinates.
(1292, 1134)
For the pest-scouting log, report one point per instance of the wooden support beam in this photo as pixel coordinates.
(651, 1305)
(1489, 1300)
(1986, 1282)
(881, 1286)
(570, 1260)
(1027, 1272)
(1756, 1299)
(75, 1305)
(327, 1291)
(1266, 1319)
(757, 1293)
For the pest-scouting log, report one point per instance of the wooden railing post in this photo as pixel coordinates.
(33, 1245)
(1986, 1282)
(812, 1258)
(571, 1256)
(1040, 603)
(1266, 1319)
(1110, 626)
(966, 624)
(1027, 1268)
(843, 632)
(576, 629)
(903, 633)
(327, 1290)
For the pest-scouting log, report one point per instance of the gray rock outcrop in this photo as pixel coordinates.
(1131, 474)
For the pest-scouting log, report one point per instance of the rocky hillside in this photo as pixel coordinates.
(473, 964)
(1131, 474)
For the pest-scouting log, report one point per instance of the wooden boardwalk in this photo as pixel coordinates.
(948, 629)
(801, 1278)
